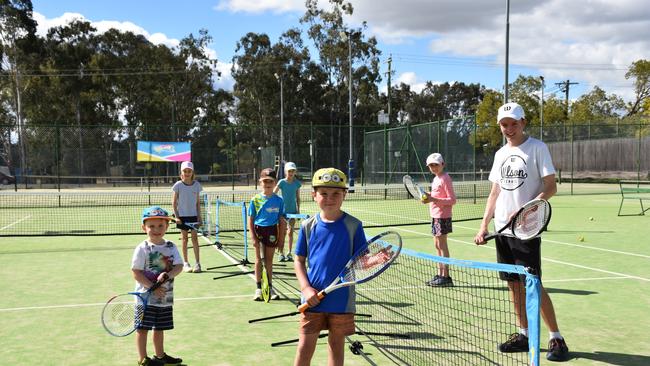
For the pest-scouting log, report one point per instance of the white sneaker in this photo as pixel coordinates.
(197, 268)
(187, 267)
(274, 296)
(258, 295)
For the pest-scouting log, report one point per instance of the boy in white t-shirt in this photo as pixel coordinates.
(156, 260)
(522, 171)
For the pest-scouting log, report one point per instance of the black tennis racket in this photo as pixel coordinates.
(528, 222)
(365, 264)
(414, 189)
(122, 314)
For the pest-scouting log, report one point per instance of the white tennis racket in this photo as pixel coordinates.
(365, 264)
(528, 222)
(414, 189)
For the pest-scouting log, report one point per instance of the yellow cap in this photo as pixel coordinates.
(329, 177)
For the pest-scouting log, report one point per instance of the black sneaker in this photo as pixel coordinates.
(557, 350)
(150, 362)
(432, 281)
(168, 360)
(517, 343)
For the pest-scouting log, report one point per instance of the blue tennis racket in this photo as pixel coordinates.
(122, 314)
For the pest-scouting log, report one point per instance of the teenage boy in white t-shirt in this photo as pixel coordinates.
(522, 171)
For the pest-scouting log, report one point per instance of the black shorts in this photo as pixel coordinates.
(525, 253)
(157, 318)
(190, 219)
(267, 235)
(441, 226)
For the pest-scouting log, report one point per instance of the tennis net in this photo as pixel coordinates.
(458, 325)
(118, 212)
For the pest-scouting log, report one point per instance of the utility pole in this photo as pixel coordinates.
(564, 87)
(505, 93)
(390, 71)
(541, 110)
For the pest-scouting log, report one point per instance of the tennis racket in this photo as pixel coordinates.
(366, 263)
(122, 314)
(528, 222)
(266, 288)
(414, 189)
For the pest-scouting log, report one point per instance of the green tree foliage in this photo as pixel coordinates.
(640, 71)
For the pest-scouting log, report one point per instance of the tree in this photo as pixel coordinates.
(640, 71)
(17, 35)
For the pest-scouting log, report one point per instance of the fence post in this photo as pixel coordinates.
(572, 168)
(638, 157)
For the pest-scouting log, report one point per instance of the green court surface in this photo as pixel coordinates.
(54, 289)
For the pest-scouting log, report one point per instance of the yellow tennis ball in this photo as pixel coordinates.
(581, 238)
(591, 219)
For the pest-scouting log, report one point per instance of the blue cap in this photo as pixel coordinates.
(154, 212)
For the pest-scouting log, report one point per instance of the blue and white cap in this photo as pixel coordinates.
(155, 212)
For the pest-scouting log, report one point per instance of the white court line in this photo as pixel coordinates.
(102, 303)
(587, 279)
(623, 275)
(15, 222)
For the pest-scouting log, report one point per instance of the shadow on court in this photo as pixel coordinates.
(552, 290)
(611, 358)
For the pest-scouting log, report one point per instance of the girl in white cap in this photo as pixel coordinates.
(290, 191)
(187, 208)
(441, 199)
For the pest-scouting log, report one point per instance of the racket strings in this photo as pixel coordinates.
(531, 220)
(121, 314)
(373, 260)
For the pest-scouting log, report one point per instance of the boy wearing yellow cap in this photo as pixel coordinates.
(326, 241)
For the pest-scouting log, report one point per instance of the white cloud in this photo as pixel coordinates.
(44, 24)
(260, 6)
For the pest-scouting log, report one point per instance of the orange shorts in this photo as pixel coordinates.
(311, 323)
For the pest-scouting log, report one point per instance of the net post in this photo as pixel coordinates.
(216, 220)
(243, 216)
(533, 305)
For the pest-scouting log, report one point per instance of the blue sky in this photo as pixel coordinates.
(591, 42)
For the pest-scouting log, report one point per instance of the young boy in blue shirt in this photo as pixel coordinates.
(326, 241)
(156, 260)
(267, 226)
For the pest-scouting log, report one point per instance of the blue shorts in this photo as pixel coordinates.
(157, 318)
(441, 227)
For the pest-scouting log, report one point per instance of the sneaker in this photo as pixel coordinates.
(187, 267)
(168, 360)
(197, 268)
(289, 258)
(557, 350)
(150, 362)
(517, 343)
(432, 281)
(274, 296)
(258, 294)
(282, 258)
(441, 282)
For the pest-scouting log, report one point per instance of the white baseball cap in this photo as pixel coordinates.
(435, 158)
(290, 166)
(510, 110)
(187, 165)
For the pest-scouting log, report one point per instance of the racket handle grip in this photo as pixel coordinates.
(489, 237)
(305, 306)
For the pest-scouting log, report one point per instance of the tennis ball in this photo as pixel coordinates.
(581, 238)
(591, 218)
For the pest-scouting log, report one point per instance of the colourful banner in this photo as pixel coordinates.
(164, 151)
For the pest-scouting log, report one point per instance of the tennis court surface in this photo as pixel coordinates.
(60, 267)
